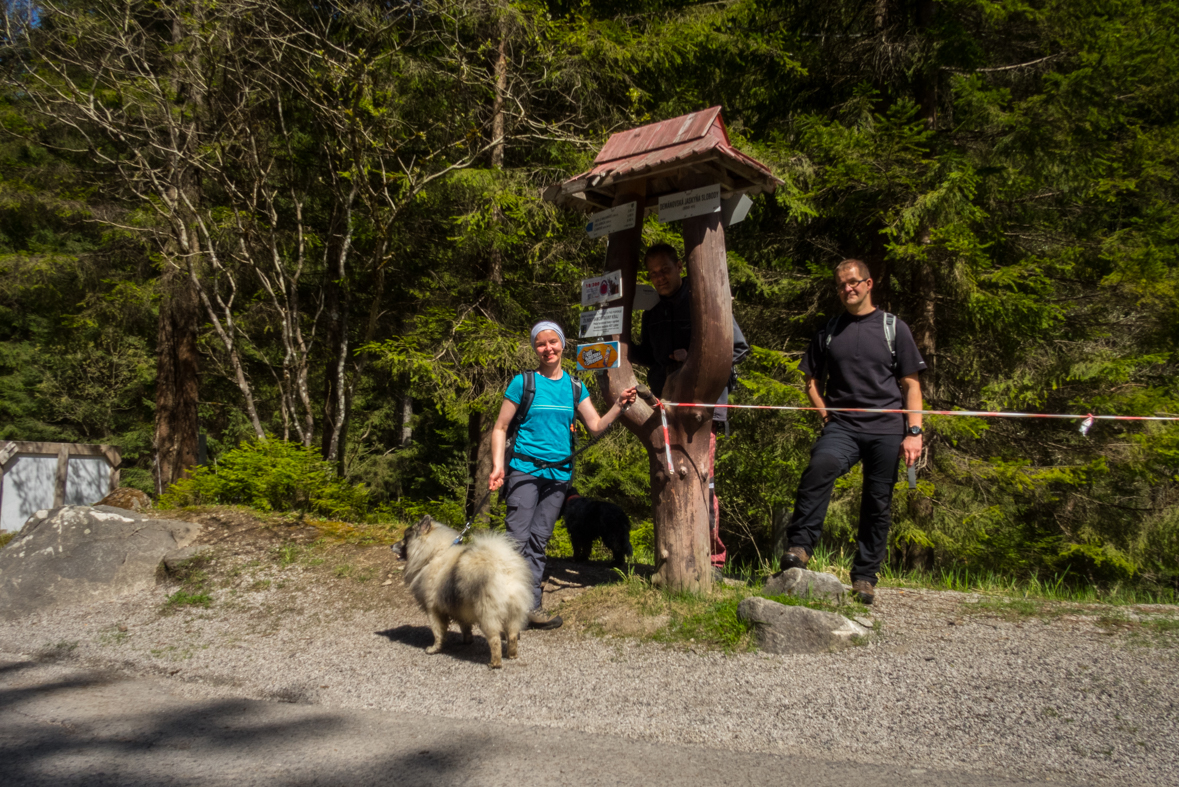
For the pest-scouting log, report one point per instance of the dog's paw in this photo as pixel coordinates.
(433, 649)
(495, 665)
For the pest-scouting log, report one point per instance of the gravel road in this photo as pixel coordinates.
(940, 687)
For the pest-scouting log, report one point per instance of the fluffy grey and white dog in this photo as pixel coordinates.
(587, 520)
(485, 582)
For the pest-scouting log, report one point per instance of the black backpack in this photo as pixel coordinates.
(828, 333)
(522, 412)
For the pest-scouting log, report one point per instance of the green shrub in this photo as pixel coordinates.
(272, 475)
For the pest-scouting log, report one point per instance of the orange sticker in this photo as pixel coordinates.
(599, 355)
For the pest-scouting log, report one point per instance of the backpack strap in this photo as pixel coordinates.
(573, 426)
(890, 337)
(526, 397)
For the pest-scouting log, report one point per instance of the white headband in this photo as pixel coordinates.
(547, 325)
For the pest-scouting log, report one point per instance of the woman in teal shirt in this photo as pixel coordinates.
(536, 492)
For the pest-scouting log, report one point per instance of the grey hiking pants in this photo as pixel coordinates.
(533, 507)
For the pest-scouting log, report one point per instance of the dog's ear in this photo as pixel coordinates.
(424, 525)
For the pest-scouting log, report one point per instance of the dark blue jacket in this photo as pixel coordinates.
(667, 327)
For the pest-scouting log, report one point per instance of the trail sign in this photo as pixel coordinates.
(600, 289)
(604, 322)
(686, 204)
(612, 220)
(600, 355)
(645, 297)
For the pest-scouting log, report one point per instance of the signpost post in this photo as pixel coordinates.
(686, 169)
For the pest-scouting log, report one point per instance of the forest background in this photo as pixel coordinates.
(316, 229)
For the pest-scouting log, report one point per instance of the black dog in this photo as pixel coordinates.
(589, 519)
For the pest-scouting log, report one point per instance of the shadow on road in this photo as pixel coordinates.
(420, 638)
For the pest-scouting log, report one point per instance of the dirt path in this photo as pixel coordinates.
(948, 685)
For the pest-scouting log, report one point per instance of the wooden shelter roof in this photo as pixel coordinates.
(666, 154)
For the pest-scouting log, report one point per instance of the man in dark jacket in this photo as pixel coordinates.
(862, 368)
(663, 346)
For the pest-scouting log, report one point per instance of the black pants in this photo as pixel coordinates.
(835, 453)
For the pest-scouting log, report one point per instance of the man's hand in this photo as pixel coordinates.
(680, 356)
(911, 449)
(497, 479)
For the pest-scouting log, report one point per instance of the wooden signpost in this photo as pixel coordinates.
(687, 170)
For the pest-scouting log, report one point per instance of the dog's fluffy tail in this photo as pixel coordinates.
(501, 581)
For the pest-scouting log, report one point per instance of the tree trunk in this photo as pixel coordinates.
(479, 465)
(406, 414)
(923, 283)
(680, 497)
(478, 427)
(177, 368)
(176, 379)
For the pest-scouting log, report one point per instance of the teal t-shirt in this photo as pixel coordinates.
(544, 433)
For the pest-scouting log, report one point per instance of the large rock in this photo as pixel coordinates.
(802, 583)
(126, 497)
(786, 629)
(79, 554)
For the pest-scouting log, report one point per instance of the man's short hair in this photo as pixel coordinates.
(665, 250)
(860, 266)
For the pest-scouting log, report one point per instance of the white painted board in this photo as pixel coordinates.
(645, 297)
(611, 220)
(600, 289)
(735, 209)
(28, 488)
(686, 204)
(88, 480)
(604, 322)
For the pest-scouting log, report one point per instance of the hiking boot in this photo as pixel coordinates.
(538, 620)
(864, 591)
(795, 557)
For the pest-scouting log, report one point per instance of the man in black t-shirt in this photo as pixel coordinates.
(854, 357)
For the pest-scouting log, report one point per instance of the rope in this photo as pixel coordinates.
(972, 413)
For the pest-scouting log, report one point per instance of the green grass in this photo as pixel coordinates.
(692, 620)
(186, 598)
(6, 537)
(1059, 587)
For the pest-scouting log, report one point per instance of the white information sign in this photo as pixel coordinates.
(612, 220)
(600, 289)
(735, 209)
(686, 204)
(645, 297)
(604, 322)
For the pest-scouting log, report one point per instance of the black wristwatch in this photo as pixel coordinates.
(915, 431)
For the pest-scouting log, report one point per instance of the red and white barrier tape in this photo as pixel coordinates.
(1087, 418)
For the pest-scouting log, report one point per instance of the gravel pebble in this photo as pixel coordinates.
(1058, 700)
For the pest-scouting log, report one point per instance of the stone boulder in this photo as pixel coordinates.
(79, 554)
(791, 630)
(801, 583)
(126, 497)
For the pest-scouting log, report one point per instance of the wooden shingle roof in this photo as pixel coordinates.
(666, 154)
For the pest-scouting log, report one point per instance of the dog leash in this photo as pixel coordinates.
(474, 513)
